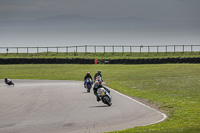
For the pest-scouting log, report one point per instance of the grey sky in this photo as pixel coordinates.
(153, 9)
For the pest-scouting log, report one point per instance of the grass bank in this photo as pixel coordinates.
(173, 88)
(106, 55)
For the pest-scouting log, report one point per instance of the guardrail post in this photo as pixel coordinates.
(123, 49)
(141, 48)
(47, 50)
(95, 50)
(7, 50)
(66, 49)
(57, 50)
(183, 49)
(37, 50)
(174, 48)
(104, 49)
(27, 50)
(148, 50)
(157, 49)
(17, 50)
(113, 49)
(191, 48)
(130, 49)
(166, 48)
(85, 49)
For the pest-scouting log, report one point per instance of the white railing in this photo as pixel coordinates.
(103, 49)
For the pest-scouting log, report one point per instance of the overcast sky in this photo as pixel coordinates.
(153, 9)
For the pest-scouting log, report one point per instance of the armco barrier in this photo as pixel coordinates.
(91, 61)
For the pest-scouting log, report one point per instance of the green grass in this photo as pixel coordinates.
(116, 55)
(173, 88)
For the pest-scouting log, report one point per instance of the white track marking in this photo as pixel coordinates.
(164, 115)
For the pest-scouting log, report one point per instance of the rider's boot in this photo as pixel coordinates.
(98, 99)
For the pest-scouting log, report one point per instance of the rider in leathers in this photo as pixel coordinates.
(96, 86)
(98, 74)
(87, 76)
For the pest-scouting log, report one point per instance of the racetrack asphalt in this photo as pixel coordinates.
(59, 106)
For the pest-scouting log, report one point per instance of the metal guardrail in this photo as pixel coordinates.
(103, 48)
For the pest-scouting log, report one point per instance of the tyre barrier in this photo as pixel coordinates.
(151, 61)
(45, 61)
(92, 61)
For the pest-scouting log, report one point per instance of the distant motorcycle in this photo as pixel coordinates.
(104, 96)
(8, 81)
(88, 84)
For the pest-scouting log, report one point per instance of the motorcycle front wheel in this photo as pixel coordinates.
(107, 100)
(88, 87)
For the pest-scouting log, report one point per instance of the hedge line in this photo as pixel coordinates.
(91, 61)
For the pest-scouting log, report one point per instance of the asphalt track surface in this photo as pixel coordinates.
(57, 106)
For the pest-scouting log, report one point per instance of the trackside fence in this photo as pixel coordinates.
(103, 49)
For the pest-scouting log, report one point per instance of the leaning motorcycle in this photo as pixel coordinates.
(88, 84)
(104, 96)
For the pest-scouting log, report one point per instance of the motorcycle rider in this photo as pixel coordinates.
(87, 76)
(96, 87)
(98, 74)
(8, 81)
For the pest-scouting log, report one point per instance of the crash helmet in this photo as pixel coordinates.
(88, 73)
(99, 71)
(96, 84)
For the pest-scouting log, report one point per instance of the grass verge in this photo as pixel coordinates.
(173, 88)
